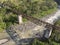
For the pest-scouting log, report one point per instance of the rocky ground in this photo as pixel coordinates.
(25, 31)
(28, 30)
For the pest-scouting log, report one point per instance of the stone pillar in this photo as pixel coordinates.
(20, 19)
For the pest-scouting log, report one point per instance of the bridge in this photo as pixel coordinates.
(48, 24)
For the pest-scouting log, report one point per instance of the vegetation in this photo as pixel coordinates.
(57, 23)
(2, 24)
(35, 8)
(53, 40)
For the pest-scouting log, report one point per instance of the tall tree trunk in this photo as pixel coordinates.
(20, 19)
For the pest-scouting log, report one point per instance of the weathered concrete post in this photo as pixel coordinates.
(20, 19)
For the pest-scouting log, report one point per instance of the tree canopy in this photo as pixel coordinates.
(34, 7)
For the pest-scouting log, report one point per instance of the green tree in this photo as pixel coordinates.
(2, 24)
(36, 8)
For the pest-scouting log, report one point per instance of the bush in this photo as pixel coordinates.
(2, 24)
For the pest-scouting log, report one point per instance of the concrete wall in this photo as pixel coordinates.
(20, 19)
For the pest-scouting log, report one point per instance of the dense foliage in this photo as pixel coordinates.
(2, 24)
(35, 8)
(57, 23)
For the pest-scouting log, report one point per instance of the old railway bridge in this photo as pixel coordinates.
(47, 24)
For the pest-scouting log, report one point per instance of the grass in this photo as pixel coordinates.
(16, 2)
(44, 13)
(24, 20)
(2, 27)
(2, 0)
(1, 30)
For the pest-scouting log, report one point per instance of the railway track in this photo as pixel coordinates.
(38, 21)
